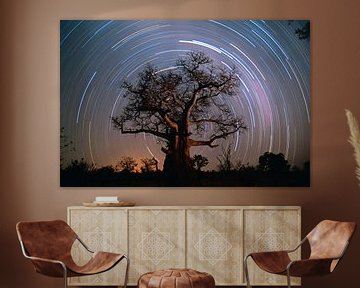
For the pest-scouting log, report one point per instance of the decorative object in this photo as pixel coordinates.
(48, 245)
(109, 204)
(176, 278)
(328, 242)
(108, 201)
(185, 103)
(354, 140)
(212, 239)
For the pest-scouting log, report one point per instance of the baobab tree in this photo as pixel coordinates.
(183, 107)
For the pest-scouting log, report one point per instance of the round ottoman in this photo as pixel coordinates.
(176, 278)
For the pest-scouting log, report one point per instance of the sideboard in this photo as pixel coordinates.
(212, 239)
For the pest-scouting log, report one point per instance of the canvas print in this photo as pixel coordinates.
(184, 103)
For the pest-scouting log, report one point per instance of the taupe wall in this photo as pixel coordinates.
(29, 119)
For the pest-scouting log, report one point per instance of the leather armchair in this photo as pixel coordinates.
(328, 242)
(48, 245)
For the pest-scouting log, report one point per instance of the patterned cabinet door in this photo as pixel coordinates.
(214, 244)
(156, 240)
(101, 230)
(269, 230)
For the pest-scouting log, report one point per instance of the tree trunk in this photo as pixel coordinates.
(177, 165)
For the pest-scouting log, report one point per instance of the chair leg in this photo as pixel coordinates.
(65, 275)
(288, 278)
(246, 272)
(126, 271)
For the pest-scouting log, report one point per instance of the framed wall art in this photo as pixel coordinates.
(184, 103)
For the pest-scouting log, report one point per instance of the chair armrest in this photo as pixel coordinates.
(298, 246)
(84, 245)
(48, 267)
(281, 251)
(309, 267)
(268, 253)
(46, 260)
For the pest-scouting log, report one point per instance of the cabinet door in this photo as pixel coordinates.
(270, 230)
(101, 230)
(214, 244)
(156, 240)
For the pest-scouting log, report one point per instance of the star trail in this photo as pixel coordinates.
(271, 62)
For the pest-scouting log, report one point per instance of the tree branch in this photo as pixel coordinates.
(193, 142)
(223, 134)
(169, 122)
(120, 125)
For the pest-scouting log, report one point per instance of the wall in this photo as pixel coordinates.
(29, 119)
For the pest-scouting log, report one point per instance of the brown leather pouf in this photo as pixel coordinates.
(176, 278)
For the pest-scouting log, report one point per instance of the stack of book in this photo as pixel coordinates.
(106, 199)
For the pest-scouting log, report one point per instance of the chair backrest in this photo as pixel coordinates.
(329, 239)
(46, 239)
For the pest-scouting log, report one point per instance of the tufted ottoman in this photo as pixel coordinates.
(176, 278)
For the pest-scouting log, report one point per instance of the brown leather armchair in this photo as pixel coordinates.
(48, 245)
(328, 242)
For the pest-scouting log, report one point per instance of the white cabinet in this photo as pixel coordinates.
(210, 239)
(156, 240)
(214, 243)
(271, 229)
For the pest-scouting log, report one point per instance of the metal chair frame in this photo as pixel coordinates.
(26, 255)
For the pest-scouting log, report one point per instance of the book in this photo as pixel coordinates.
(107, 199)
(105, 202)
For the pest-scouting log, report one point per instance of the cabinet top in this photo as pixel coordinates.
(194, 207)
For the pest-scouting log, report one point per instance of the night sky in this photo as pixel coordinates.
(272, 63)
